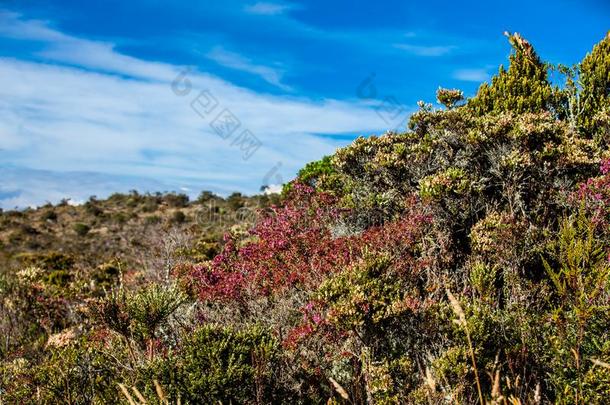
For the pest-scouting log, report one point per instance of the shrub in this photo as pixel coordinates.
(235, 201)
(139, 315)
(178, 217)
(152, 219)
(449, 97)
(578, 324)
(81, 229)
(522, 88)
(205, 196)
(151, 308)
(49, 215)
(595, 83)
(78, 372)
(465, 260)
(48, 260)
(176, 200)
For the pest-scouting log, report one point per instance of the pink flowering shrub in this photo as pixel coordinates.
(290, 245)
(293, 245)
(594, 194)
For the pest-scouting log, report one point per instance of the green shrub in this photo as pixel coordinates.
(522, 88)
(139, 315)
(49, 215)
(223, 365)
(178, 217)
(176, 200)
(151, 308)
(235, 201)
(76, 373)
(106, 275)
(206, 196)
(449, 97)
(59, 278)
(81, 229)
(152, 219)
(47, 261)
(595, 83)
(578, 328)
(215, 365)
(320, 174)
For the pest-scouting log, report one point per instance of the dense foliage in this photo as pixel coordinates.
(465, 260)
(524, 87)
(595, 94)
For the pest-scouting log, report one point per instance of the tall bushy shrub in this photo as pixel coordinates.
(595, 83)
(524, 87)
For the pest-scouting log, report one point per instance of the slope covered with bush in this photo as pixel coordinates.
(465, 260)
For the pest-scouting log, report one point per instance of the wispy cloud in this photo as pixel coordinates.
(268, 8)
(423, 50)
(236, 61)
(96, 110)
(89, 54)
(471, 75)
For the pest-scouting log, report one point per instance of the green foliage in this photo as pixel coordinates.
(579, 323)
(224, 365)
(151, 308)
(178, 217)
(107, 274)
(205, 196)
(522, 88)
(361, 296)
(235, 201)
(47, 261)
(595, 87)
(453, 180)
(176, 200)
(449, 97)
(314, 172)
(216, 365)
(59, 278)
(205, 248)
(152, 220)
(76, 373)
(321, 174)
(81, 229)
(139, 315)
(49, 215)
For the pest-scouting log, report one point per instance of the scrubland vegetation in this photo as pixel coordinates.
(465, 260)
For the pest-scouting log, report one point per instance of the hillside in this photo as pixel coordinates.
(125, 227)
(464, 260)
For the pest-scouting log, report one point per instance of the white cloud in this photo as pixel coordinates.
(236, 61)
(122, 119)
(422, 50)
(12, 26)
(471, 75)
(273, 189)
(265, 8)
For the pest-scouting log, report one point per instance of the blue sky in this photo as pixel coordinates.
(97, 97)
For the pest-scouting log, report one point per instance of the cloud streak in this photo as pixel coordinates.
(471, 75)
(267, 8)
(236, 61)
(423, 50)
